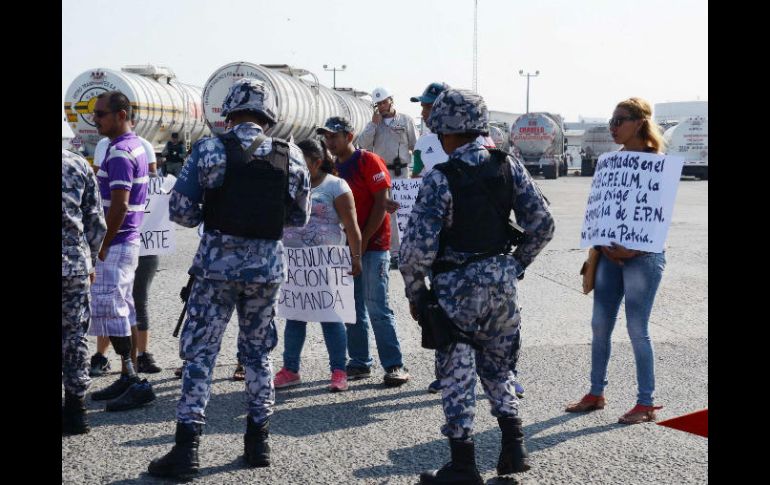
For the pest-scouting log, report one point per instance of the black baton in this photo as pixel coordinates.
(184, 294)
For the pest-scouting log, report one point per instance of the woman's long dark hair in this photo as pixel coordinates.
(316, 149)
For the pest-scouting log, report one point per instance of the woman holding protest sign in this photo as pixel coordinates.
(332, 205)
(628, 273)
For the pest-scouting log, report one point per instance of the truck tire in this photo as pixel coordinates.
(704, 175)
(550, 172)
(587, 167)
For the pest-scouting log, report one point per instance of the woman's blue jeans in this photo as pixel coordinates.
(638, 281)
(334, 336)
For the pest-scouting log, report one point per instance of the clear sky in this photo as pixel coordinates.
(590, 53)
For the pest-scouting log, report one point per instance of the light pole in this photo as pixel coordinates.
(521, 73)
(334, 70)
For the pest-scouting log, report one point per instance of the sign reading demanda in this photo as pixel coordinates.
(404, 192)
(157, 231)
(317, 287)
(631, 200)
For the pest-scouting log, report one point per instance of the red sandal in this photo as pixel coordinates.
(640, 414)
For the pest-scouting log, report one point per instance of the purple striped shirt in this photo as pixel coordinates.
(125, 167)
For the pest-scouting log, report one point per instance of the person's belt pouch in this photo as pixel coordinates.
(438, 330)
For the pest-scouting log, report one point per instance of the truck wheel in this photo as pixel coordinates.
(550, 172)
(704, 175)
(586, 167)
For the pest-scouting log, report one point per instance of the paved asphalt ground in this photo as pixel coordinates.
(378, 435)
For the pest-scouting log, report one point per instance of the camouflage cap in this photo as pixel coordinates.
(250, 94)
(335, 124)
(458, 111)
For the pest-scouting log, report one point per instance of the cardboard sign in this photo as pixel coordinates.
(404, 191)
(631, 200)
(317, 287)
(157, 231)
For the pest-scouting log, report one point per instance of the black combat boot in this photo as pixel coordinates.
(513, 453)
(182, 461)
(460, 471)
(73, 415)
(256, 448)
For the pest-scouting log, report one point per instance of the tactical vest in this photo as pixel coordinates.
(252, 200)
(477, 225)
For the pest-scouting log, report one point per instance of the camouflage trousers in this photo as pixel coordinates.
(75, 316)
(457, 366)
(209, 310)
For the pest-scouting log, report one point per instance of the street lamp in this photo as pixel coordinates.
(334, 70)
(521, 73)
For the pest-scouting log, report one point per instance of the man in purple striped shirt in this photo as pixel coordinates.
(123, 179)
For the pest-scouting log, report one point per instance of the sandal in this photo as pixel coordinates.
(240, 373)
(178, 372)
(589, 402)
(640, 414)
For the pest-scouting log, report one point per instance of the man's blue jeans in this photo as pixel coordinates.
(638, 281)
(294, 339)
(371, 294)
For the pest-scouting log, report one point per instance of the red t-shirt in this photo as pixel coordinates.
(366, 174)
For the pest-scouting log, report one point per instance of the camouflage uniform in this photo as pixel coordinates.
(232, 272)
(480, 297)
(83, 228)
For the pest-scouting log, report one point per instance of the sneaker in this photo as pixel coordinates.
(339, 381)
(396, 376)
(589, 402)
(139, 394)
(435, 387)
(240, 373)
(99, 365)
(355, 373)
(519, 389)
(115, 389)
(640, 414)
(146, 363)
(286, 378)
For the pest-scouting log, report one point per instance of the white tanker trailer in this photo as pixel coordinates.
(162, 105)
(302, 104)
(596, 140)
(538, 140)
(690, 139)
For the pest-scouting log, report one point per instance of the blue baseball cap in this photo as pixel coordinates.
(431, 93)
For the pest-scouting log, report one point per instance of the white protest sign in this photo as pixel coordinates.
(318, 287)
(157, 231)
(404, 191)
(631, 200)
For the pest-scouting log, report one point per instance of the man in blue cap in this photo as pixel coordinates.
(245, 187)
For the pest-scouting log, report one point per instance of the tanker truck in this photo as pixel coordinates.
(538, 140)
(499, 133)
(690, 139)
(162, 105)
(596, 140)
(302, 104)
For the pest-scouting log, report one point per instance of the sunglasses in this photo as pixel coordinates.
(101, 114)
(619, 120)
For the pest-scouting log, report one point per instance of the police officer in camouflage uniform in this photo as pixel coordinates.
(83, 228)
(467, 202)
(245, 187)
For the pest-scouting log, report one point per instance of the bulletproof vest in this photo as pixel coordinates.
(482, 200)
(251, 202)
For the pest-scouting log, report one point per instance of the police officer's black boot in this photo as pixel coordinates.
(460, 471)
(256, 448)
(182, 461)
(73, 415)
(513, 453)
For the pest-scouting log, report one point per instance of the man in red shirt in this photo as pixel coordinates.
(369, 180)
